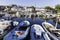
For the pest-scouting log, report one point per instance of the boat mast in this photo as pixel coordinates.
(56, 21)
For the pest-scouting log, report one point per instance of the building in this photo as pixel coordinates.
(17, 8)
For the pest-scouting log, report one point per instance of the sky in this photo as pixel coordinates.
(37, 3)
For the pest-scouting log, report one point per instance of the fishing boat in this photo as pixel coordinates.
(20, 32)
(4, 27)
(51, 30)
(38, 33)
(23, 30)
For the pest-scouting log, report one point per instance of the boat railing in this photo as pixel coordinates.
(51, 35)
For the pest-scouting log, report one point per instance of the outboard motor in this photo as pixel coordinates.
(15, 23)
(38, 33)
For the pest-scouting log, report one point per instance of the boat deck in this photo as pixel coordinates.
(11, 35)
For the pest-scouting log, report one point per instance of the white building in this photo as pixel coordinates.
(29, 9)
(38, 9)
(17, 9)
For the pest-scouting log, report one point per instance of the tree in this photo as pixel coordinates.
(57, 7)
(33, 9)
(14, 5)
(48, 8)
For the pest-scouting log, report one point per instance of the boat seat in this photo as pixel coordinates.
(57, 32)
(54, 29)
